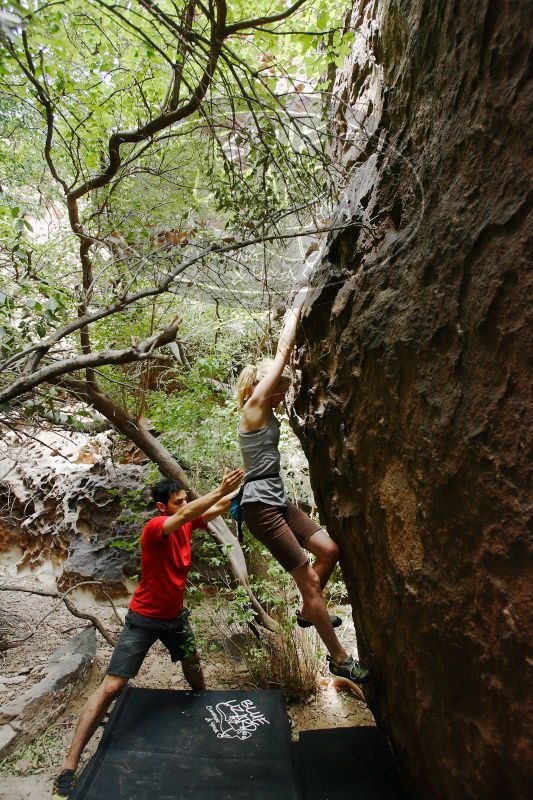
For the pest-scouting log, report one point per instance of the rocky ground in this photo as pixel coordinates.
(27, 774)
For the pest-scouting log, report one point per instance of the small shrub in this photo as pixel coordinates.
(287, 659)
(336, 592)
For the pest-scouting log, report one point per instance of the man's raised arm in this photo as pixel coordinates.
(196, 508)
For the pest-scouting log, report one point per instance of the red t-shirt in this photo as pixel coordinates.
(165, 562)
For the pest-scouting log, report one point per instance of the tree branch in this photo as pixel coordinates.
(163, 286)
(46, 102)
(51, 372)
(165, 119)
(253, 23)
(69, 604)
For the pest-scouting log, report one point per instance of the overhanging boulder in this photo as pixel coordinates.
(413, 407)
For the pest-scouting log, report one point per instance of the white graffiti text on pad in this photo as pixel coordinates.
(235, 720)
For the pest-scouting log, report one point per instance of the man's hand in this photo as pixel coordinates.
(226, 491)
(211, 504)
(230, 481)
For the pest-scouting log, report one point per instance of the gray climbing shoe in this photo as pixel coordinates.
(302, 622)
(351, 669)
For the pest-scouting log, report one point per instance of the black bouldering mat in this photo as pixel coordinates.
(347, 764)
(168, 745)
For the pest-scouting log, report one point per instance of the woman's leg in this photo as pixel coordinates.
(314, 609)
(326, 554)
(274, 530)
(315, 540)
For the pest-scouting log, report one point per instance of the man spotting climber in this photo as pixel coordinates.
(156, 610)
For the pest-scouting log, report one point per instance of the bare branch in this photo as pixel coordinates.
(46, 344)
(69, 604)
(51, 372)
(254, 23)
(167, 118)
(46, 102)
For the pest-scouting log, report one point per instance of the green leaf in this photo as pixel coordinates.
(323, 21)
(91, 160)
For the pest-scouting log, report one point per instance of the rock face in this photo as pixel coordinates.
(32, 713)
(412, 404)
(63, 501)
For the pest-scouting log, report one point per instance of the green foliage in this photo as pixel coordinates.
(252, 160)
(35, 757)
(336, 592)
(118, 73)
(286, 660)
(134, 512)
(237, 167)
(195, 408)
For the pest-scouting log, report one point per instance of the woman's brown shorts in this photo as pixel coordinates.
(283, 531)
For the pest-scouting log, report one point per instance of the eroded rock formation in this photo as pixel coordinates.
(63, 501)
(412, 406)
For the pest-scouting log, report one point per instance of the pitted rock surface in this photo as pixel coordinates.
(63, 501)
(412, 406)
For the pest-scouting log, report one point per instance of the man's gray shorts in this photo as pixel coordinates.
(139, 634)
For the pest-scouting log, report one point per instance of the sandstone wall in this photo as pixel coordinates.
(412, 407)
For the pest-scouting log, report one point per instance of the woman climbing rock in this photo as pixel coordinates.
(272, 519)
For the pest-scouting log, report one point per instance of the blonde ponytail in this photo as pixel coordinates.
(246, 383)
(251, 375)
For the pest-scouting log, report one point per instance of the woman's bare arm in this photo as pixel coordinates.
(268, 385)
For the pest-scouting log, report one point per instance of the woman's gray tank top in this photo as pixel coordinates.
(260, 454)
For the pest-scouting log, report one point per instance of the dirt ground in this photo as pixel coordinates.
(27, 774)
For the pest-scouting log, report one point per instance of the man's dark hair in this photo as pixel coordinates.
(163, 490)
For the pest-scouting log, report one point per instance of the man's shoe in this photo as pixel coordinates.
(304, 623)
(351, 669)
(63, 785)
